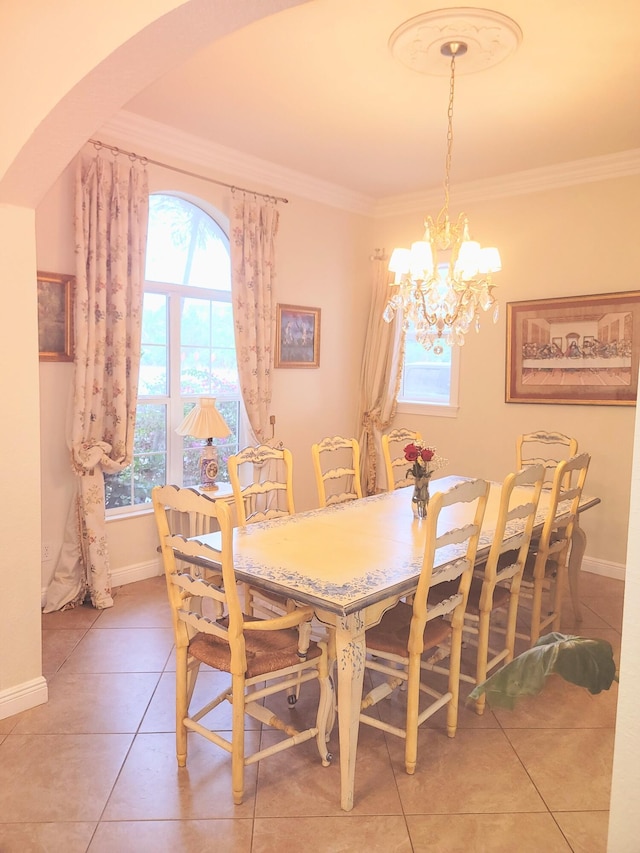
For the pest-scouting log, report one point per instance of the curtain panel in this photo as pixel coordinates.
(254, 227)
(379, 378)
(112, 202)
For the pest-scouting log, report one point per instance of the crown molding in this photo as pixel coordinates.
(585, 171)
(175, 145)
(219, 160)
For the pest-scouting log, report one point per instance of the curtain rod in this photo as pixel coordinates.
(144, 160)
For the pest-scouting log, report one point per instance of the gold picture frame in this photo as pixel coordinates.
(297, 336)
(581, 350)
(55, 316)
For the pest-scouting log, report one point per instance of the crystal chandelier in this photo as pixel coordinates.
(443, 304)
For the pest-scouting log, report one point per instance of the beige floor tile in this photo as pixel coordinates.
(57, 645)
(294, 782)
(475, 772)
(91, 702)
(45, 837)
(486, 833)
(608, 608)
(151, 786)
(161, 715)
(586, 832)
(8, 724)
(571, 768)
(173, 836)
(595, 585)
(122, 650)
(78, 619)
(143, 589)
(345, 834)
(58, 777)
(136, 611)
(498, 779)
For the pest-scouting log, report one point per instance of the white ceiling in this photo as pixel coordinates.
(316, 89)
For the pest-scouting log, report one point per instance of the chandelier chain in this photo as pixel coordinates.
(447, 166)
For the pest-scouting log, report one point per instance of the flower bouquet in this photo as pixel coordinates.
(424, 461)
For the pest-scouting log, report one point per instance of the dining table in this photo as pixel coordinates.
(351, 562)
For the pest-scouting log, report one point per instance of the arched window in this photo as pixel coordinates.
(188, 350)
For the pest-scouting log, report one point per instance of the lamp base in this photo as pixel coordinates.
(208, 468)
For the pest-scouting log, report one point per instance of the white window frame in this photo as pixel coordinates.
(411, 406)
(174, 403)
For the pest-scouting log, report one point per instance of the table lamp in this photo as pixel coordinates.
(205, 421)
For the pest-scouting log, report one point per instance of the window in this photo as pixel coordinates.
(429, 377)
(188, 350)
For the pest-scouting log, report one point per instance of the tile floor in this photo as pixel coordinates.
(94, 769)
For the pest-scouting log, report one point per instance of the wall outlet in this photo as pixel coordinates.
(46, 552)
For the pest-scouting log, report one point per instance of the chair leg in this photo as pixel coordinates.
(482, 654)
(454, 674)
(182, 705)
(237, 737)
(411, 725)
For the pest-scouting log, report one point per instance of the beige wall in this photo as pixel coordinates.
(569, 241)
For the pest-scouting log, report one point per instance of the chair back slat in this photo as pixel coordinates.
(546, 448)
(261, 478)
(336, 464)
(396, 466)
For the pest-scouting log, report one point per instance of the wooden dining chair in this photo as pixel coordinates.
(544, 448)
(261, 657)
(408, 636)
(495, 585)
(336, 464)
(395, 464)
(545, 573)
(261, 478)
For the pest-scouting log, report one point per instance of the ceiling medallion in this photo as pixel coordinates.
(489, 36)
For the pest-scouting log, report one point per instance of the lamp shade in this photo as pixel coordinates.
(204, 421)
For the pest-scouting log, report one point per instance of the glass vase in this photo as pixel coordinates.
(420, 499)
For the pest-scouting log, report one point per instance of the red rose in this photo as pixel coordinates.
(411, 452)
(427, 455)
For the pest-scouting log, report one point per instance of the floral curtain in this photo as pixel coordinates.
(112, 201)
(379, 378)
(254, 226)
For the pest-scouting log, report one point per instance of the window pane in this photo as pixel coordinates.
(212, 370)
(154, 354)
(151, 428)
(426, 375)
(185, 245)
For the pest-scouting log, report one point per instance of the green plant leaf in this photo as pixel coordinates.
(580, 660)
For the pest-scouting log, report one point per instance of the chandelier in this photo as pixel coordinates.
(444, 300)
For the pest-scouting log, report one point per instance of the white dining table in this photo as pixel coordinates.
(351, 562)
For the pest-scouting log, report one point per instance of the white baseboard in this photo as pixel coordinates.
(603, 567)
(125, 575)
(23, 696)
(136, 572)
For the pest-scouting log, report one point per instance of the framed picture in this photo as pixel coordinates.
(575, 349)
(55, 316)
(297, 336)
